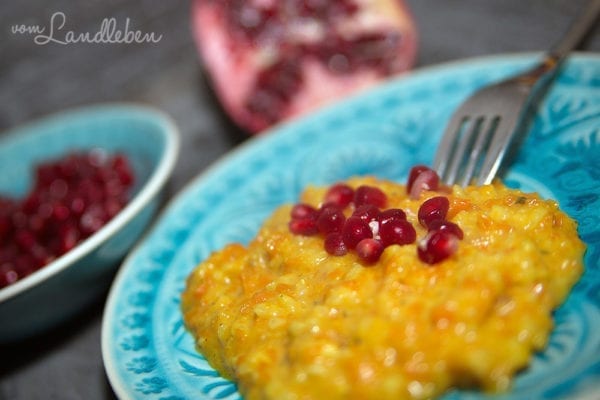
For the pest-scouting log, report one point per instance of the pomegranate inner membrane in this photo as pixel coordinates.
(71, 198)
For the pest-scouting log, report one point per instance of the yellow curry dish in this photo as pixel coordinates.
(369, 289)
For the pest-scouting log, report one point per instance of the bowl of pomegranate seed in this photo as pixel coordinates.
(77, 190)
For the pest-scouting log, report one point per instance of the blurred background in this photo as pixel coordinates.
(36, 80)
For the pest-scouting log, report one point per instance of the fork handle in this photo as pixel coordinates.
(578, 30)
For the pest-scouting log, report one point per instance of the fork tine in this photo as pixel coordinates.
(465, 137)
(486, 131)
(496, 151)
(446, 147)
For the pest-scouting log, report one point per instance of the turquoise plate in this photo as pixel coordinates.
(149, 355)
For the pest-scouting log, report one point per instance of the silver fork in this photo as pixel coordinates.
(479, 133)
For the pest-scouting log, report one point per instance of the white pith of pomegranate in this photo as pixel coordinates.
(273, 60)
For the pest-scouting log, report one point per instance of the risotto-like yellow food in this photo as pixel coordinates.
(285, 319)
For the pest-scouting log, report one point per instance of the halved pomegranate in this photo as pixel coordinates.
(271, 60)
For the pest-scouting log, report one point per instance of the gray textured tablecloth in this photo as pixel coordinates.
(35, 80)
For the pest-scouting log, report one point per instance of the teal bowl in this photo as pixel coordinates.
(57, 291)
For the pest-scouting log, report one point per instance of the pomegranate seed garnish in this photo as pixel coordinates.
(421, 178)
(304, 226)
(367, 212)
(435, 208)
(355, 230)
(334, 244)
(331, 219)
(397, 231)
(303, 211)
(339, 194)
(391, 214)
(369, 230)
(369, 250)
(369, 195)
(412, 175)
(436, 246)
(446, 226)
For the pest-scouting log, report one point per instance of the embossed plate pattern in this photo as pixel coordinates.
(149, 355)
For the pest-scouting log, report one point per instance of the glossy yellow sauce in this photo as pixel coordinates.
(285, 320)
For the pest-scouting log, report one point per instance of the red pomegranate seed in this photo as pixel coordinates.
(25, 239)
(304, 211)
(334, 244)
(60, 212)
(446, 226)
(44, 175)
(391, 214)
(68, 239)
(40, 255)
(112, 207)
(303, 226)
(397, 231)
(421, 178)
(367, 212)
(339, 194)
(24, 265)
(5, 227)
(8, 275)
(38, 224)
(436, 246)
(77, 206)
(331, 219)
(19, 220)
(123, 170)
(412, 175)
(369, 250)
(91, 221)
(355, 230)
(31, 203)
(369, 195)
(58, 188)
(435, 208)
